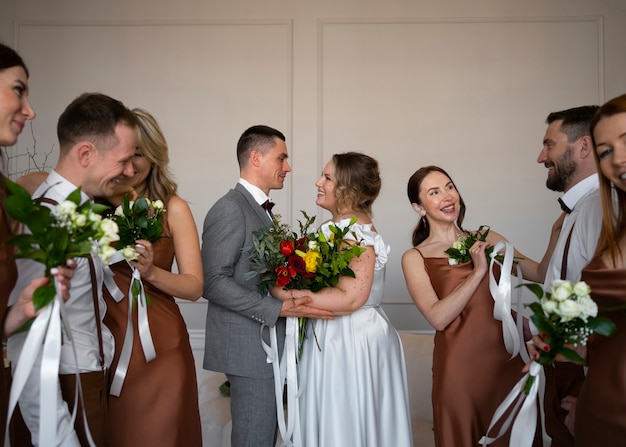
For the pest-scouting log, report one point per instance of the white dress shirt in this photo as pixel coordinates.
(586, 217)
(81, 315)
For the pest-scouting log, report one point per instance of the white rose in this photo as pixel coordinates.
(158, 205)
(581, 289)
(119, 211)
(549, 306)
(458, 245)
(313, 245)
(568, 310)
(561, 290)
(588, 307)
(452, 261)
(66, 208)
(129, 253)
(80, 220)
(110, 230)
(106, 252)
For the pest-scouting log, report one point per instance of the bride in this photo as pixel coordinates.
(354, 385)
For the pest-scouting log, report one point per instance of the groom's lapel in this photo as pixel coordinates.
(258, 209)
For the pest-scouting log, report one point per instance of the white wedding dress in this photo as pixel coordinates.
(355, 388)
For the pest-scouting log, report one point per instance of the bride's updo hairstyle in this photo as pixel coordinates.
(422, 230)
(357, 181)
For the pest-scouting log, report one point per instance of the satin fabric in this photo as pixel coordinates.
(601, 407)
(355, 386)
(158, 404)
(472, 372)
(8, 277)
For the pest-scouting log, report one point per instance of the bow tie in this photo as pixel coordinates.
(267, 206)
(564, 207)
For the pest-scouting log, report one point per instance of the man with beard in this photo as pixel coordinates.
(568, 154)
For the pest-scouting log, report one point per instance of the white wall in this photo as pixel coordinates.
(462, 84)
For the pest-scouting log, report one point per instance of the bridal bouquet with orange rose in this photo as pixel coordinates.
(305, 260)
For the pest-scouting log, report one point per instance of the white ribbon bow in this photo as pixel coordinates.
(144, 333)
(45, 335)
(512, 331)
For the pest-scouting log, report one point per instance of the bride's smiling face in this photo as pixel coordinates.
(326, 188)
(439, 198)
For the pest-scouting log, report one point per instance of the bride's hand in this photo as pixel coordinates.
(479, 258)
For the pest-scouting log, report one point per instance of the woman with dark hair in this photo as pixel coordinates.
(354, 385)
(15, 111)
(472, 371)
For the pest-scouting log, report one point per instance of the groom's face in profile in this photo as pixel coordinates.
(274, 166)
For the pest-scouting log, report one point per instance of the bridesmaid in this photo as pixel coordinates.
(601, 407)
(472, 371)
(158, 403)
(15, 111)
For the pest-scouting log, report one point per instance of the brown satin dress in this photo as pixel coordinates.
(158, 405)
(601, 407)
(472, 372)
(8, 277)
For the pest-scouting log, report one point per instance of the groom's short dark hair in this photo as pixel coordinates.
(260, 138)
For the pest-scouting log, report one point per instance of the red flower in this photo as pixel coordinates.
(284, 275)
(302, 244)
(297, 263)
(286, 248)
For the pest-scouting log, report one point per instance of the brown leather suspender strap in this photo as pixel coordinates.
(565, 254)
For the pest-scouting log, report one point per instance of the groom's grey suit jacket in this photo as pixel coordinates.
(236, 309)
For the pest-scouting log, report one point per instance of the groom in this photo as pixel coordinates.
(237, 312)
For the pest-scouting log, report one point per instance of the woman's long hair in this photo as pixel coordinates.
(613, 220)
(422, 230)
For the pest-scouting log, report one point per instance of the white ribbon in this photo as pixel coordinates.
(144, 334)
(111, 285)
(45, 335)
(512, 333)
(286, 372)
(523, 415)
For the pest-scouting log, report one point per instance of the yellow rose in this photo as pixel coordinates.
(312, 259)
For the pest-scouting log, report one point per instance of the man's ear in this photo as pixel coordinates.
(586, 146)
(255, 158)
(86, 153)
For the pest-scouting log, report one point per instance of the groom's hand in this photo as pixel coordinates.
(298, 307)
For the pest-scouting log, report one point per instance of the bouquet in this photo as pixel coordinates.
(308, 260)
(70, 229)
(140, 219)
(567, 316)
(459, 252)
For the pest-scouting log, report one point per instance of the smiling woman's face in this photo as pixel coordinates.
(610, 138)
(15, 109)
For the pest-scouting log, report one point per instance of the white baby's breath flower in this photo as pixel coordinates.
(561, 290)
(129, 253)
(581, 289)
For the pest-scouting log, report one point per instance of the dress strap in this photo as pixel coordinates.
(418, 250)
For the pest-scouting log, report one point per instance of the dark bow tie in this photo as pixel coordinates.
(564, 207)
(267, 206)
